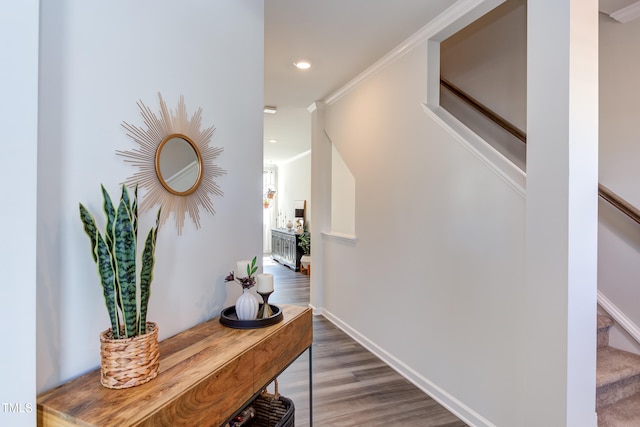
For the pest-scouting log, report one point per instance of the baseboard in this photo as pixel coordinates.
(456, 407)
(315, 310)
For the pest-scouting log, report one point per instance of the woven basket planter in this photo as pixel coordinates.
(129, 362)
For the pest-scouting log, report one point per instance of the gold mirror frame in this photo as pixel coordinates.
(158, 162)
(151, 139)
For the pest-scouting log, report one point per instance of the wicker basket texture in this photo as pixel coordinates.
(129, 362)
(273, 410)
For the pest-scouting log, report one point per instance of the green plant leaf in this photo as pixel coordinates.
(107, 278)
(115, 258)
(146, 274)
(125, 197)
(125, 256)
(304, 241)
(146, 277)
(155, 233)
(134, 212)
(253, 268)
(90, 228)
(110, 213)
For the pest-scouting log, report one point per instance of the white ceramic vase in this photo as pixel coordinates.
(247, 306)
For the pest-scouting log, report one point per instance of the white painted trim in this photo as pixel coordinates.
(317, 105)
(334, 235)
(619, 317)
(315, 310)
(492, 158)
(441, 26)
(456, 407)
(627, 14)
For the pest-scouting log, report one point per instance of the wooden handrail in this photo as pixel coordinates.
(618, 202)
(497, 119)
(606, 194)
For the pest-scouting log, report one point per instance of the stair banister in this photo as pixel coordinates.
(606, 194)
(617, 201)
(484, 110)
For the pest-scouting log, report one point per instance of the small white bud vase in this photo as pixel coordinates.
(247, 306)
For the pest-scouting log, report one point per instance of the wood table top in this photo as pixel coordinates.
(206, 374)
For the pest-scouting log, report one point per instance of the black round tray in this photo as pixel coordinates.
(229, 318)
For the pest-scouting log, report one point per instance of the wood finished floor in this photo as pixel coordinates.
(351, 386)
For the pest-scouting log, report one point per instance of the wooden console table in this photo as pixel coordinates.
(207, 373)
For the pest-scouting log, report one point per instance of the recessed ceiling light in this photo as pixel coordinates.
(270, 110)
(273, 141)
(302, 65)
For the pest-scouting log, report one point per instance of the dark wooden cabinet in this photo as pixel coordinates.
(285, 249)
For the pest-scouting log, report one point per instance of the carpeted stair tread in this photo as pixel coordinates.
(614, 365)
(604, 324)
(604, 321)
(624, 413)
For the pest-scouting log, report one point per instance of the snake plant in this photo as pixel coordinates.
(114, 253)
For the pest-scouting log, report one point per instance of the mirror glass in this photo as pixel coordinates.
(178, 164)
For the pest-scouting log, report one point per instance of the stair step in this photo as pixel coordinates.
(624, 413)
(617, 375)
(604, 323)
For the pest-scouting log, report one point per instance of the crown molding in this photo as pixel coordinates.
(460, 14)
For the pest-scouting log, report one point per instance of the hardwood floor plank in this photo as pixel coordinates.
(351, 386)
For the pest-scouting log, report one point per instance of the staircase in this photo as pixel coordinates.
(618, 371)
(617, 382)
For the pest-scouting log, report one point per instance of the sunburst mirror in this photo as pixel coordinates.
(176, 165)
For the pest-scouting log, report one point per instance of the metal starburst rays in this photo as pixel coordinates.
(156, 131)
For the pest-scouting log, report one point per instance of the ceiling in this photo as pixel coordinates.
(341, 38)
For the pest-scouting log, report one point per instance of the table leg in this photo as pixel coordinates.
(310, 390)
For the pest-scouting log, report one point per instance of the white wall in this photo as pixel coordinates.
(486, 69)
(559, 320)
(453, 296)
(97, 61)
(619, 237)
(270, 214)
(619, 107)
(476, 64)
(343, 196)
(321, 196)
(492, 68)
(18, 174)
(437, 268)
(294, 183)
